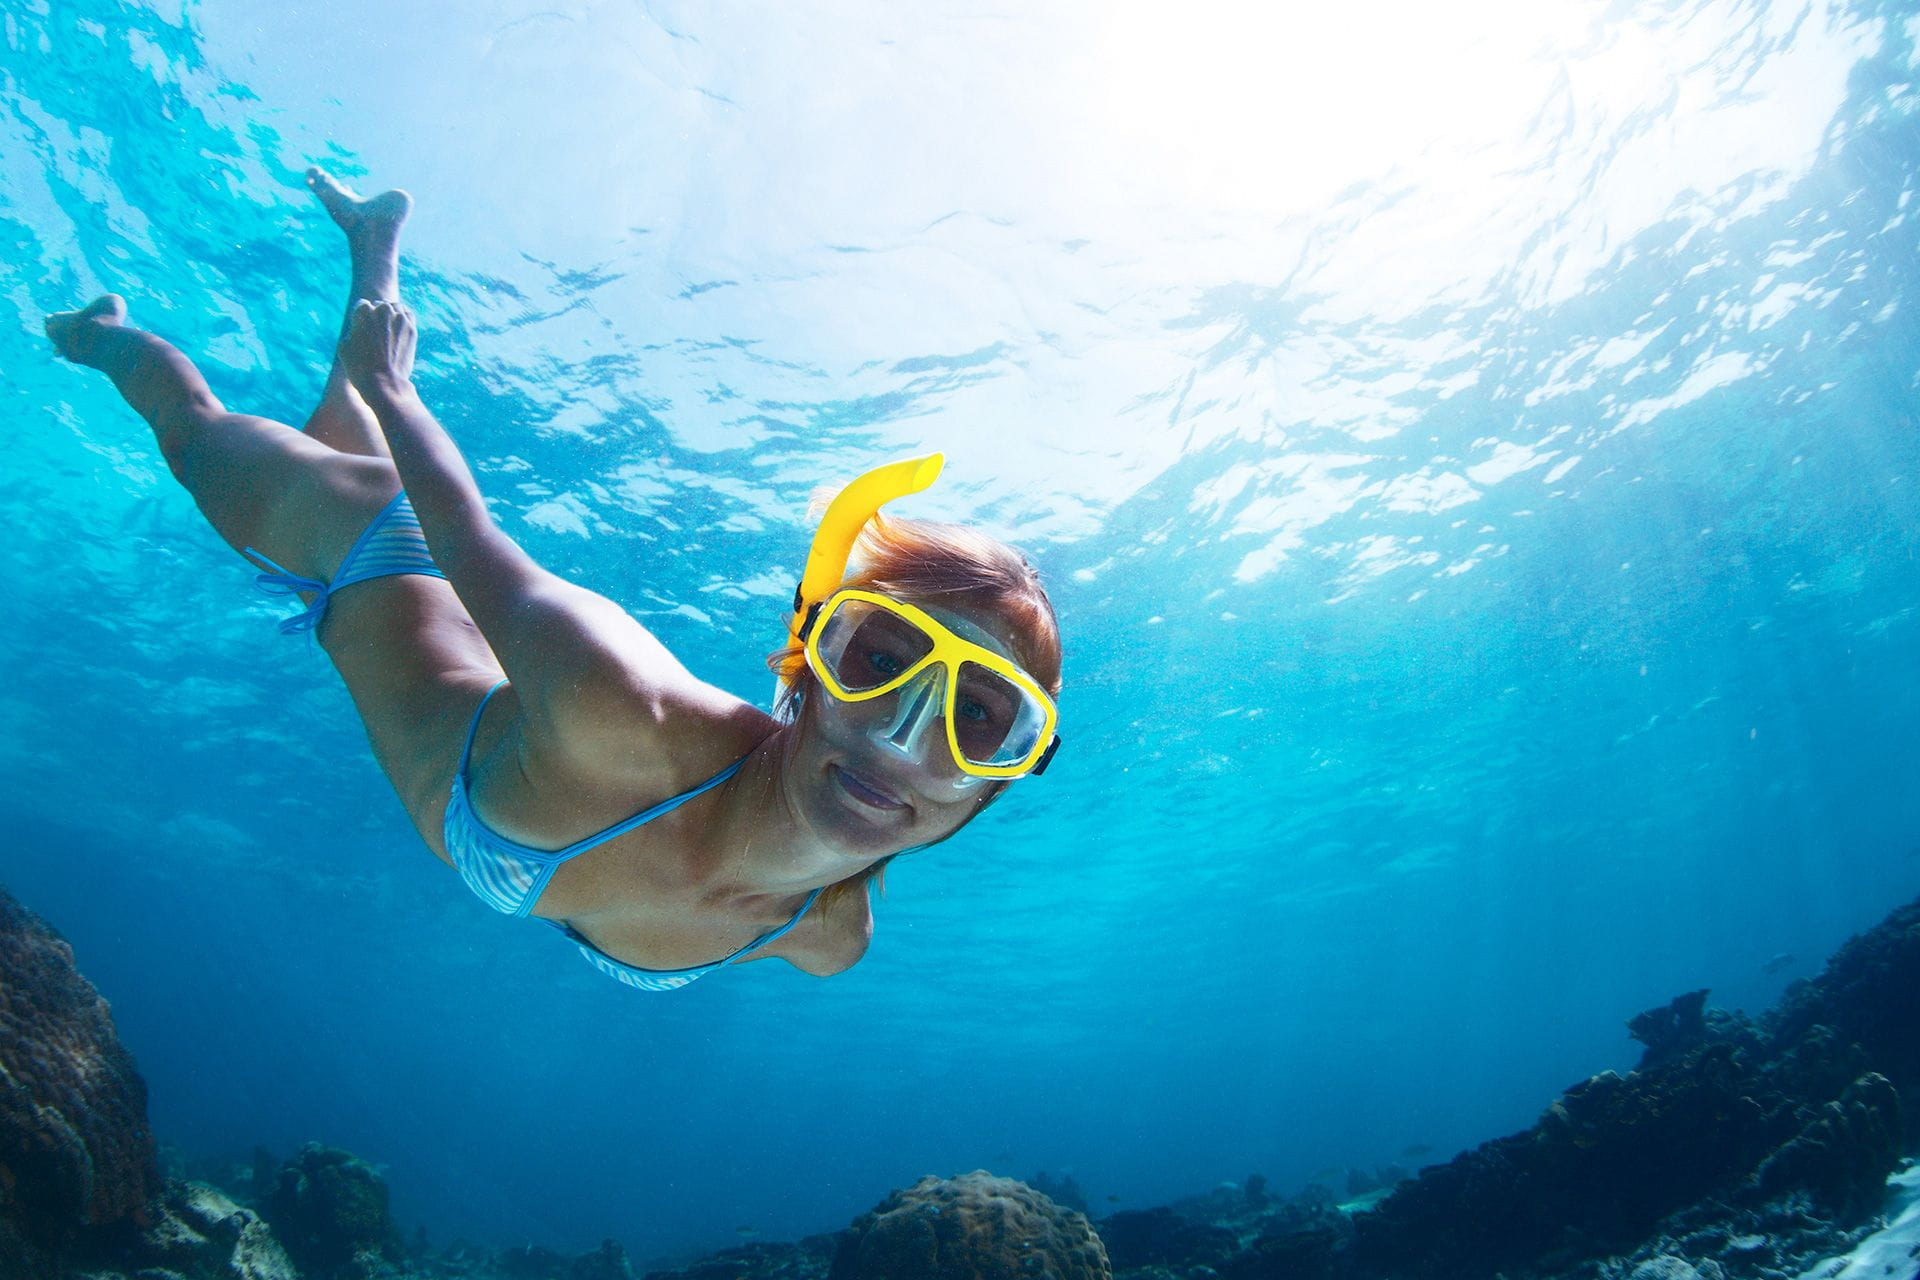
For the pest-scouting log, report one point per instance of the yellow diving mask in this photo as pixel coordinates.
(862, 646)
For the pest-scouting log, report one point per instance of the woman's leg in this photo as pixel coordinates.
(372, 228)
(411, 657)
(260, 483)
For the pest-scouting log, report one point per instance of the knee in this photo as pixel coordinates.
(178, 455)
(181, 431)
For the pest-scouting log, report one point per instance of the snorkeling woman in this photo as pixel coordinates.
(523, 719)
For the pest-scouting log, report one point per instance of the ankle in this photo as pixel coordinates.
(90, 342)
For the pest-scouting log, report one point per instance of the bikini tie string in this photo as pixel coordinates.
(284, 582)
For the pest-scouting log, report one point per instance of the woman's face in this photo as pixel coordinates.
(878, 776)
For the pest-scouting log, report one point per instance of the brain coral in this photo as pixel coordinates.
(974, 1227)
(75, 1149)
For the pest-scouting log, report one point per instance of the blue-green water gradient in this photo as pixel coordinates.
(1478, 485)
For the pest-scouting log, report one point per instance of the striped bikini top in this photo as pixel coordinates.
(510, 877)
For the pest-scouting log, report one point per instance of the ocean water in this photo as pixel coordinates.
(1475, 453)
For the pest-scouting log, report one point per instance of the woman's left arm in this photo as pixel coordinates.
(575, 657)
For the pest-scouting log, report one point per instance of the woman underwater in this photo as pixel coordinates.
(522, 719)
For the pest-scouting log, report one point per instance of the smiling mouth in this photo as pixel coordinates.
(866, 791)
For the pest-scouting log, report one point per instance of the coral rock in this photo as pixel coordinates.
(75, 1149)
(1805, 1106)
(1842, 1155)
(1665, 1267)
(330, 1209)
(1159, 1237)
(1869, 994)
(810, 1259)
(197, 1233)
(974, 1227)
(1672, 1029)
(608, 1262)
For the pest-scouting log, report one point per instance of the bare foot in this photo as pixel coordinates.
(73, 331)
(372, 223)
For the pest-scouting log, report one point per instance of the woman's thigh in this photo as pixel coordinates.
(416, 667)
(265, 486)
(411, 657)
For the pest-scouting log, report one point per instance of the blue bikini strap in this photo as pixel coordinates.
(392, 543)
(466, 748)
(765, 938)
(285, 582)
(602, 959)
(645, 816)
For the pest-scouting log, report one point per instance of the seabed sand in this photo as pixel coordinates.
(1892, 1253)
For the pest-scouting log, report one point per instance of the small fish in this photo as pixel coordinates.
(1782, 961)
(746, 1231)
(1417, 1150)
(1113, 1199)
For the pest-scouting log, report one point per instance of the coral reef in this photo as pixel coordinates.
(75, 1149)
(330, 1210)
(1737, 1149)
(1063, 1191)
(1716, 1123)
(1161, 1237)
(608, 1262)
(197, 1233)
(1803, 1103)
(811, 1259)
(1869, 995)
(971, 1227)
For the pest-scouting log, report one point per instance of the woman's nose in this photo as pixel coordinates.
(916, 711)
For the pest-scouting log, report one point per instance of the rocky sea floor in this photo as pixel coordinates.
(1771, 1148)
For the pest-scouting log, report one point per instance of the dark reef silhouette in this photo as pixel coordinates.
(75, 1150)
(1738, 1148)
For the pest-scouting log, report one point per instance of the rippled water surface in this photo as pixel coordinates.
(1474, 454)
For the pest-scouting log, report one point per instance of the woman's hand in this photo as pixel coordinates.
(377, 349)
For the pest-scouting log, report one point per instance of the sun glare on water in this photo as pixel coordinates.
(1234, 110)
(1273, 108)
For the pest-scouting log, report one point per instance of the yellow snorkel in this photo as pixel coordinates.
(1010, 724)
(846, 516)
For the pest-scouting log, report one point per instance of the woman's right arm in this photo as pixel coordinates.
(576, 659)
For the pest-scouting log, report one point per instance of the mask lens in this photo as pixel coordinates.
(995, 721)
(866, 647)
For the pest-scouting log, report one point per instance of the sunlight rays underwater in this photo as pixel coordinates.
(1473, 458)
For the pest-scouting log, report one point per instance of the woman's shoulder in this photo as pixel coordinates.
(654, 733)
(834, 935)
(607, 681)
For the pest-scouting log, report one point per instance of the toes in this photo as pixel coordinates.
(337, 198)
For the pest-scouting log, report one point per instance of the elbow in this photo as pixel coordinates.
(467, 543)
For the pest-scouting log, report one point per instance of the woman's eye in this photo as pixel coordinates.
(973, 710)
(885, 663)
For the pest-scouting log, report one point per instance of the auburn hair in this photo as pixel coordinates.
(951, 566)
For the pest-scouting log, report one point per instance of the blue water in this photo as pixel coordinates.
(1474, 457)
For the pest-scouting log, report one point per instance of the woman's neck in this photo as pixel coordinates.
(761, 844)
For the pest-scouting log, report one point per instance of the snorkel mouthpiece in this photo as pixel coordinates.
(846, 516)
